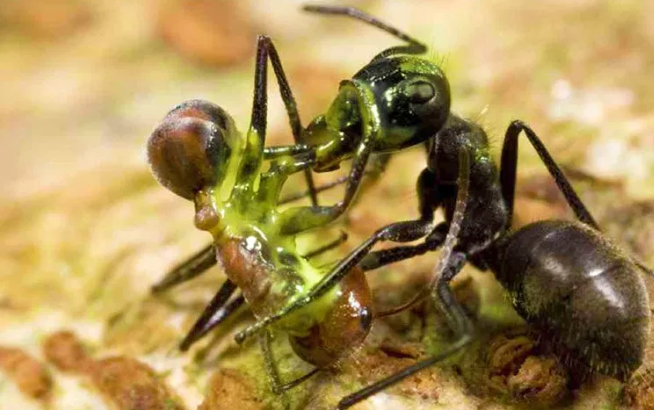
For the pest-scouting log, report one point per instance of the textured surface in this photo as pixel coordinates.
(85, 230)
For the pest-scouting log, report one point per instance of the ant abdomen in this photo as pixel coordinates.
(346, 324)
(189, 150)
(581, 290)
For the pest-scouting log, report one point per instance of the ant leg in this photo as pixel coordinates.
(188, 269)
(291, 110)
(271, 366)
(328, 247)
(414, 46)
(215, 313)
(377, 259)
(252, 155)
(457, 319)
(398, 232)
(320, 188)
(508, 172)
(299, 380)
(449, 266)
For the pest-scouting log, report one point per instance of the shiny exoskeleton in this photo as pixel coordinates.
(198, 154)
(564, 277)
(572, 283)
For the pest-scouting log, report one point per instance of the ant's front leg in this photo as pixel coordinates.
(293, 116)
(449, 266)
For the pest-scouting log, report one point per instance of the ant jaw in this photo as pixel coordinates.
(207, 217)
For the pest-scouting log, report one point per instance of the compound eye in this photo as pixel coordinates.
(187, 151)
(420, 92)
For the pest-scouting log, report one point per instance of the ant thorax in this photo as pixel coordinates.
(264, 263)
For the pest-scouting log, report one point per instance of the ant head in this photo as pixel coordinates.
(413, 98)
(189, 150)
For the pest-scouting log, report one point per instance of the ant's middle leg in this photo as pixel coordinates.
(509, 166)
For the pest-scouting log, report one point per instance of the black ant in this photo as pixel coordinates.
(564, 277)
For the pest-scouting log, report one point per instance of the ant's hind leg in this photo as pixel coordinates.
(187, 270)
(510, 162)
(508, 171)
(457, 319)
(215, 313)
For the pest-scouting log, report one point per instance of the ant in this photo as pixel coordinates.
(198, 154)
(396, 101)
(563, 277)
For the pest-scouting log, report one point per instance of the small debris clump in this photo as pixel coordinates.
(516, 369)
(31, 376)
(124, 381)
(230, 389)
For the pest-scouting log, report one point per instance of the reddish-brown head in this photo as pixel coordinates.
(190, 149)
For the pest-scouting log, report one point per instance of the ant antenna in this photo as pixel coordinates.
(414, 47)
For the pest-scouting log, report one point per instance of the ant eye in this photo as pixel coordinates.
(420, 92)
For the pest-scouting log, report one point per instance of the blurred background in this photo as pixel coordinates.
(85, 230)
